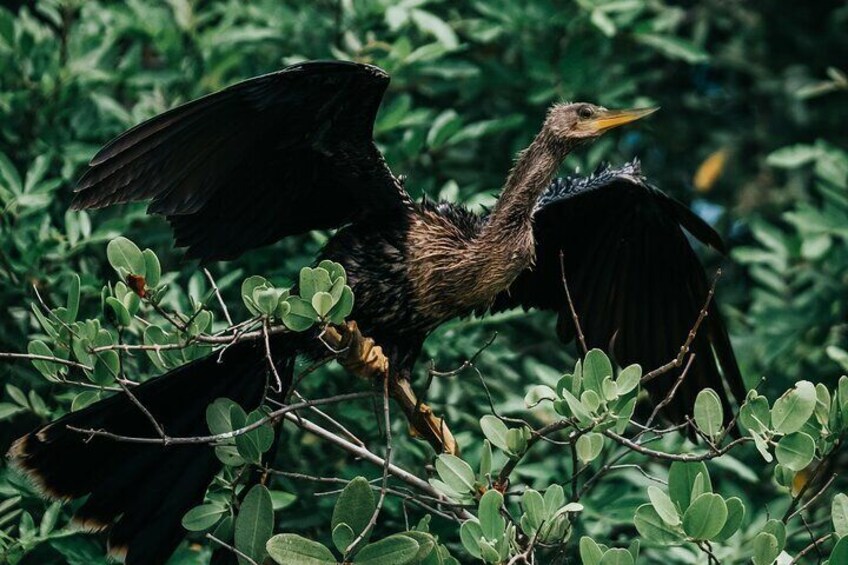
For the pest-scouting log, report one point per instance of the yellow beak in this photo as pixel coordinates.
(607, 119)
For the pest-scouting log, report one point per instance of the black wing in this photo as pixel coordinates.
(635, 281)
(272, 156)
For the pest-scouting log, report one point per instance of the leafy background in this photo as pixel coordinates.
(751, 133)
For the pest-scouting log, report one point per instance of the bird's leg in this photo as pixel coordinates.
(364, 358)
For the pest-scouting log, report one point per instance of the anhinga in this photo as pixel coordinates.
(292, 151)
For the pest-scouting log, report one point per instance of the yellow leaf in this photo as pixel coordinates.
(710, 170)
(801, 478)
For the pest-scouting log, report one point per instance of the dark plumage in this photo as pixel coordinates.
(292, 151)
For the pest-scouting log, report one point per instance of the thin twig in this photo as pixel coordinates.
(271, 417)
(52, 359)
(351, 548)
(670, 396)
(122, 383)
(270, 359)
(225, 545)
(813, 498)
(217, 292)
(338, 425)
(577, 328)
(364, 453)
(809, 548)
(684, 349)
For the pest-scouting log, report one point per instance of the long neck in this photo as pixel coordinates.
(530, 177)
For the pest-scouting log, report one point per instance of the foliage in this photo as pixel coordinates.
(751, 134)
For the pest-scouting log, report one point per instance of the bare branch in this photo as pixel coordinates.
(367, 455)
(577, 328)
(271, 417)
(684, 349)
(217, 292)
(235, 551)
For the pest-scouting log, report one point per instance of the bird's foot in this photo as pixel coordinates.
(364, 358)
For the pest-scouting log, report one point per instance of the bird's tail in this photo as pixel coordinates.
(139, 492)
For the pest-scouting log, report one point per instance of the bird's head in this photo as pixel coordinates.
(581, 121)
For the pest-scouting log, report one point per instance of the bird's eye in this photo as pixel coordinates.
(585, 112)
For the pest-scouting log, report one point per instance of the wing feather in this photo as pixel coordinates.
(636, 282)
(269, 157)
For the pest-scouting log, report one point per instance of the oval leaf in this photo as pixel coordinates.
(292, 548)
(705, 517)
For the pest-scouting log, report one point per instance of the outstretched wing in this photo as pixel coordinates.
(636, 283)
(272, 156)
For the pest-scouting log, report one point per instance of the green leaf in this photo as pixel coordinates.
(301, 316)
(203, 517)
(628, 379)
(119, 311)
(783, 475)
(596, 367)
(778, 529)
(247, 446)
(72, 303)
(795, 450)
(322, 302)
(589, 446)
(444, 127)
(792, 410)
(218, 416)
(354, 507)
(534, 510)
(491, 521)
(664, 506)
(708, 412)
(653, 528)
(839, 514)
(765, 549)
(590, 552)
(681, 479)
(577, 408)
(286, 549)
(705, 517)
(7, 410)
(248, 286)
(335, 270)
(343, 536)
(735, 514)
(485, 460)
(426, 544)
(673, 47)
(470, 533)
(343, 307)
(839, 554)
(266, 299)
(537, 394)
(152, 268)
(617, 556)
(554, 499)
(516, 440)
(393, 550)
(281, 499)
(455, 472)
(47, 368)
(434, 25)
(754, 413)
(495, 431)
(124, 254)
(793, 156)
(254, 524)
(823, 402)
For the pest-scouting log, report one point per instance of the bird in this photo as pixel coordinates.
(292, 151)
